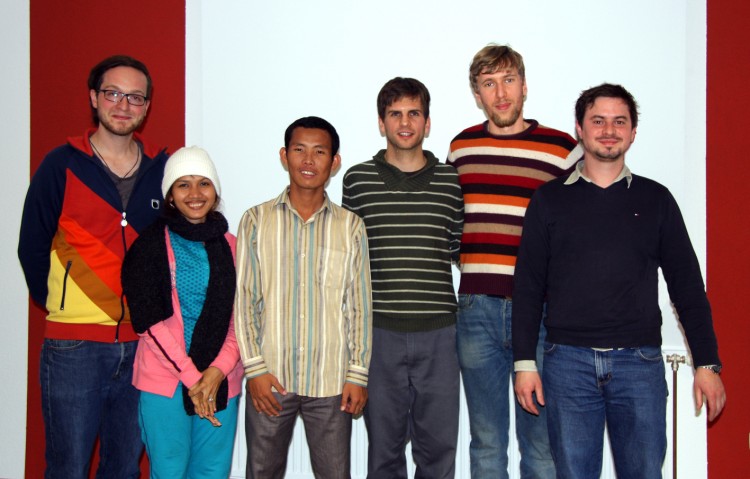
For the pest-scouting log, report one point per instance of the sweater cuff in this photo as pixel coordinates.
(255, 367)
(357, 375)
(526, 365)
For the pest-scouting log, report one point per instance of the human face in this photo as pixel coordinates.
(607, 130)
(309, 160)
(501, 95)
(121, 118)
(194, 197)
(404, 125)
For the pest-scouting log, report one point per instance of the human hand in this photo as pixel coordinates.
(203, 393)
(259, 389)
(707, 384)
(353, 398)
(528, 383)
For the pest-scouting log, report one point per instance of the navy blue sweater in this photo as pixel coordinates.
(594, 253)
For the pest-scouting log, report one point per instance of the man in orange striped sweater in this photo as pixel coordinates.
(500, 163)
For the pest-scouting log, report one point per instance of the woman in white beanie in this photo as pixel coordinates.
(179, 283)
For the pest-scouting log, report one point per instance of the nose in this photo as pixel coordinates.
(609, 127)
(500, 90)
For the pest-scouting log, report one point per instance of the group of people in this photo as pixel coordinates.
(156, 311)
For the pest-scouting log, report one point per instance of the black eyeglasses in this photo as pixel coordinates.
(116, 97)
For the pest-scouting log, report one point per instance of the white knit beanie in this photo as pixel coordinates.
(189, 161)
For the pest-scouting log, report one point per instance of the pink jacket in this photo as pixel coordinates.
(154, 373)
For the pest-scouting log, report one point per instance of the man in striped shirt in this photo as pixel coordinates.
(303, 312)
(413, 210)
(500, 164)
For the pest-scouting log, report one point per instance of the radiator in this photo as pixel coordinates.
(691, 440)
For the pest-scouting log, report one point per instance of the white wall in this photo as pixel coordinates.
(254, 67)
(14, 136)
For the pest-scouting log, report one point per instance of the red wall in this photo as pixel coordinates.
(728, 223)
(67, 39)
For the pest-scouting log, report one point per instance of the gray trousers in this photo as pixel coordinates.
(328, 431)
(413, 395)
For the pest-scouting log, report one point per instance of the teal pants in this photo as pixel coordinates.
(182, 446)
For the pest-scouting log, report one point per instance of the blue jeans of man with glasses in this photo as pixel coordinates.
(87, 392)
(624, 388)
(485, 354)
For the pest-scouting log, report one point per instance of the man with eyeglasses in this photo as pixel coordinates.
(86, 203)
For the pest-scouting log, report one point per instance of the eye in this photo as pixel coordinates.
(414, 113)
(205, 183)
(510, 80)
(488, 84)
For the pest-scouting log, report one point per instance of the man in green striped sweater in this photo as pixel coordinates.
(500, 164)
(413, 211)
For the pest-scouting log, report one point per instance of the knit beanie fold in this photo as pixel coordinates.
(189, 161)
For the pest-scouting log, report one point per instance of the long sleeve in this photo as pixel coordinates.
(358, 310)
(685, 285)
(530, 282)
(249, 298)
(41, 213)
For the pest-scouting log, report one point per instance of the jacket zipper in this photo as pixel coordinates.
(65, 283)
(123, 224)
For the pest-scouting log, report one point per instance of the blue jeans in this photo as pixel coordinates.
(179, 445)
(626, 389)
(486, 356)
(414, 395)
(87, 392)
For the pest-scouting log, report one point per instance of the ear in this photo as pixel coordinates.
(579, 132)
(427, 126)
(381, 126)
(632, 135)
(94, 99)
(525, 89)
(335, 164)
(282, 156)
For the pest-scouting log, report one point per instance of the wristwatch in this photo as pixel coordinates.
(716, 368)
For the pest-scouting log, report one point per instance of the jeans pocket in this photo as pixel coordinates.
(649, 353)
(465, 300)
(63, 344)
(549, 348)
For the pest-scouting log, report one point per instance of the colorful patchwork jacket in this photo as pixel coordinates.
(74, 235)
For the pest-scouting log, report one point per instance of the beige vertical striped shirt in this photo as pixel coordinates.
(303, 306)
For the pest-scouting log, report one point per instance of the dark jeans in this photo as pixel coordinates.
(87, 392)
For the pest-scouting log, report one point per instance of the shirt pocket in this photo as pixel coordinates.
(331, 269)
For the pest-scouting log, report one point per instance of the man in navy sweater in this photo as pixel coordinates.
(592, 244)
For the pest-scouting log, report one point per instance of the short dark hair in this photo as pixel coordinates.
(399, 88)
(317, 123)
(96, 76)
(606, 90)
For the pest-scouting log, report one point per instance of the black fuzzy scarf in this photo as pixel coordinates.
(147, 286)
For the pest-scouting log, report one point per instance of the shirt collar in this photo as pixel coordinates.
(578, 174)
(283, 199)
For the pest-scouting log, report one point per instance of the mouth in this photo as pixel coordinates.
(196, 205)
(503, 106)
(405, 134)
(308, 173)
(609, 141)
